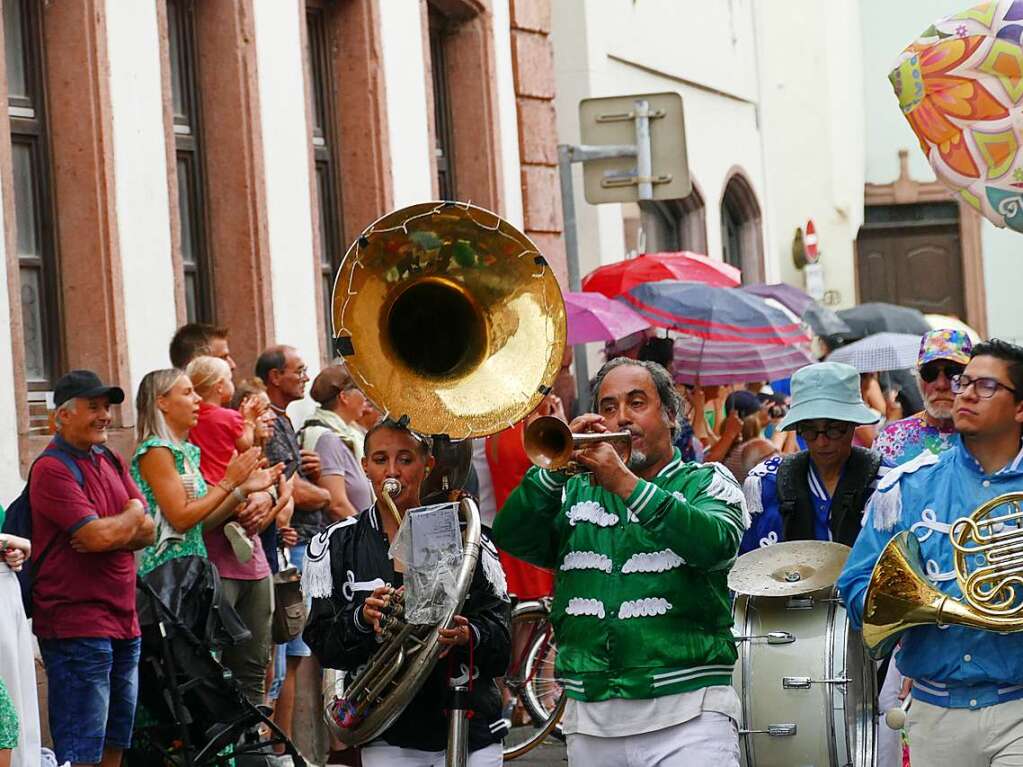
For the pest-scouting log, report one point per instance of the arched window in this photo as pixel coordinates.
(742, 241)
(668, 225)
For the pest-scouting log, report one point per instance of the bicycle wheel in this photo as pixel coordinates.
(542, 714)
(543, 693)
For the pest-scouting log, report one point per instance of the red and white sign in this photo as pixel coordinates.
(810, 243)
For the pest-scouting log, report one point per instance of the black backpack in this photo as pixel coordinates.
(18, 519)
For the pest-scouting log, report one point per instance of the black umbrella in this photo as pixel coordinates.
(866, 319)
(825, 322)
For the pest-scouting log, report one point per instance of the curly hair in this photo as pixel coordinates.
(671, 402)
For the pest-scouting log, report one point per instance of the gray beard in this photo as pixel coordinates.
(941, 413)
(637, 461)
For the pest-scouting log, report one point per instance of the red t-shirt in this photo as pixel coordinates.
(76, 594)
(215, 434)
(508, 465)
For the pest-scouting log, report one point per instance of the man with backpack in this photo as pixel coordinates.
(819, 493)
(87, 517)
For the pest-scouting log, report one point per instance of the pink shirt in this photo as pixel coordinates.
(215, 434)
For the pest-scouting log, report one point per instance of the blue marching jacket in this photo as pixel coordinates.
(951, 666)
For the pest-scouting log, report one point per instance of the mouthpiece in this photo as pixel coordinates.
(392, 487)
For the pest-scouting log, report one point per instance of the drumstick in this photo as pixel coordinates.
(895, 718)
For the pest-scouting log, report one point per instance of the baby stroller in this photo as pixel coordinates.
(191, 711)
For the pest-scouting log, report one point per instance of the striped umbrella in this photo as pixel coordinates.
(714, 314)
(698, 361)
(614, 279)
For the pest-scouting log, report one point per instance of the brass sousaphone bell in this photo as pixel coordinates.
(989, 570)
(449, 317)
(451, 322)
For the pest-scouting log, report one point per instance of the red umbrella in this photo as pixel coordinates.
(614, 279)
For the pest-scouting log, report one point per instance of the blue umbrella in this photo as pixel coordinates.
(714, 314)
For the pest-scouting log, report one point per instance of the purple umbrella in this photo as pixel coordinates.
(698, 361)
(595, 317)
(789, 296)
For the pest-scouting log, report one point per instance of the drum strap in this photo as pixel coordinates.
(796, 505)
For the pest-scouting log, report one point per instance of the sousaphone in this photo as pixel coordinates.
(452, 322)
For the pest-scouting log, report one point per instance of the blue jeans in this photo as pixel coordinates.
(93, 685)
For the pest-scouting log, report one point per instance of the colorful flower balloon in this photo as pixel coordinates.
(960, 86)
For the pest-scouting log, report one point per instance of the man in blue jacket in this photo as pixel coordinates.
(968, 696)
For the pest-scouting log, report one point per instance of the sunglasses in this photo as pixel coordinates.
(833, 430)
(929, 373)
(984, 387)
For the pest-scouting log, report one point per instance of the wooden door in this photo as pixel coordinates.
(918, 266)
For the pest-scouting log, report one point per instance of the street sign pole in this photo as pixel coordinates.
(654, 123)
(568, 154)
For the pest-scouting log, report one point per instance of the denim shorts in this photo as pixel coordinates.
(296, 648)
(93, 684)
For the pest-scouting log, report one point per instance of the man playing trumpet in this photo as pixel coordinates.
(967, 694)
(641, 555)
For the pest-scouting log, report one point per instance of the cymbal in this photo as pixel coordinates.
(788, 569)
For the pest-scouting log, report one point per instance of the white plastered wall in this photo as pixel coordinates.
(140, 177)
(812, 110)
(286, 165)
(407, 117)
(618, 47)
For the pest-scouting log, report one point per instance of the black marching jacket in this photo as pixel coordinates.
(354, 554)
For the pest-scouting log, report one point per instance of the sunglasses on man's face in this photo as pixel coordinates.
(929, 373)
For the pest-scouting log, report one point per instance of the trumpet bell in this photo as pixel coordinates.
(548, 443)
(449, 316)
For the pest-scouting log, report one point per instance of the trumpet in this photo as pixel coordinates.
(549, 444)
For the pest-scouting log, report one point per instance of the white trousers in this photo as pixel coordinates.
(988, 737)
(889, 741)
(18, 669)
(391, 756)
(709, 740)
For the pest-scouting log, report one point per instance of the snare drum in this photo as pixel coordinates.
(807, 687)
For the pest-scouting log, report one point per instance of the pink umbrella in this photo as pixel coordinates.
(595, 317)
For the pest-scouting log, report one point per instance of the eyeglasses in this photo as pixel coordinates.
(834, 430)
(929, 373)
(985, 387)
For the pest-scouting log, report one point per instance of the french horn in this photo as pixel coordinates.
(988, 562)
(452, 322)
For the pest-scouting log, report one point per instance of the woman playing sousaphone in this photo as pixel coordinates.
(353, 583)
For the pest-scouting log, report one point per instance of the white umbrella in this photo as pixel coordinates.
(879, 352)
(943, 321)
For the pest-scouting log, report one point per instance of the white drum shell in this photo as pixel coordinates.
(822, 682)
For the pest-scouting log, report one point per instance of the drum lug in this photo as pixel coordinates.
(804, 682)
(774, 730)
(774, 637)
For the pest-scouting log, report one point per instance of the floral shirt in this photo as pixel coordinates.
(170, 543)
(8, 720)
(902, 441)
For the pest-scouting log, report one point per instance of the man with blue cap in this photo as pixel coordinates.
(819, 493)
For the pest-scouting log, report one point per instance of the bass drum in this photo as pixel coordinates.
(807, 687)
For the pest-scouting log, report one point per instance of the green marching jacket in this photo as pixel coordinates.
(641, 606)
